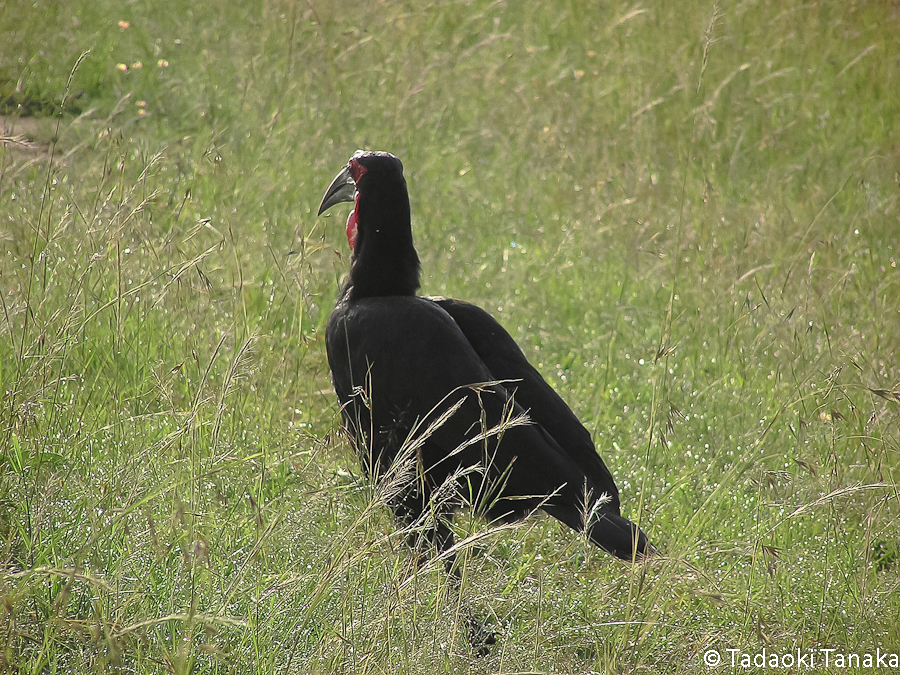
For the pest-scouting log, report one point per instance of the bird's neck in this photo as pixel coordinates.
(384, 260)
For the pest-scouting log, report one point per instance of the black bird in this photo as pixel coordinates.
(443, 380)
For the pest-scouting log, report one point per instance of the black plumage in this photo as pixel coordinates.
(443, 379)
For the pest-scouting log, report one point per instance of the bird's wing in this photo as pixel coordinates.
(506, 361)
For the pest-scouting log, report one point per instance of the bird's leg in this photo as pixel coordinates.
(410, 514)
(480, 637)
(426, 526)
(441, 537)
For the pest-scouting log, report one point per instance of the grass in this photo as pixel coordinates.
(686, 213)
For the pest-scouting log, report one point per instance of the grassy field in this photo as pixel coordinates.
(687, 214)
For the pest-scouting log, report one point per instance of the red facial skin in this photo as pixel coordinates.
(353, 224)
(357, 171)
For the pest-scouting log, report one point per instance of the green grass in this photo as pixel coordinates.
(688, 215)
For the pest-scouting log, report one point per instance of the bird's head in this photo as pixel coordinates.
(367, 173)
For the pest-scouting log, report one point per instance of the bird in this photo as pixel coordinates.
(437, 387)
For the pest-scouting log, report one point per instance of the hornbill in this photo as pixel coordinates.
(441, 378)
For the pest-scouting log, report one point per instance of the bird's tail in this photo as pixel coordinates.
(606, 529)
(619, 536)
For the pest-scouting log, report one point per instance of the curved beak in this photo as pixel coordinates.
(342, 189)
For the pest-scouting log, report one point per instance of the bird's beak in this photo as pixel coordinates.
(342, 189)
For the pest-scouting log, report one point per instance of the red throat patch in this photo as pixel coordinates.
(353, 224)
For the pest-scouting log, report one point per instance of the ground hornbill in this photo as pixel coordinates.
(440, 383)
